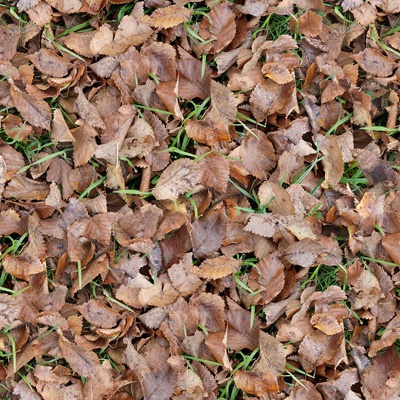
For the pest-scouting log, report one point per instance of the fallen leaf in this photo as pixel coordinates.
(373, 62)
(36, 111)
(80, 42)
(10, 310)
(84, 144)
(193, 81)
(179, 177)
(218, 25)
(207, 132)
(218, 267)
(130, 32)
(269, 277)
(208, 233)
(183, 278)
(305, 389)
(255, 383)
(98, 314)
(210, 308)
(158, 384)
(170, 16)
(49, 63)
(60, 131)
(87, 111)
(217, 172)
(257, 154)
(310, 24)
(27, 189)
(317, 349)
(276, 198)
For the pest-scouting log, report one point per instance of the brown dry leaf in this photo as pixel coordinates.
(87, 111)
(98, 314)
(257, 154)
(331, 91)
(242, 333)
(92, 6)
(304, 253)
(380, 380)
(256, 382)
(182, 277)
(310, 24)
(215, 343)
(373, 62)
(170, 16)
(349, 4)
(60, 131)
(23, 266)
(130, 32)
(333, 163)
(41, 14)
(268, 224)
(394, 40)
(193, 82)
(207, 132)
(211, 311)
(305, 390)
(162, 60)
(179, 177)
(10, 310)
(217, 172)
(217, 268)
(97, 228)
(36, 111)
(318, 348)
(86, 363)
(219, 25)
(326, 323)
(25, 392)
(49, 63)
(272, 357)
(223, 104)
(142, 223)
(26, 189)
(208, 233)
(9, 39)
(390, 335)
(365, 13)
(340, 386)
(80, 42)
(391, 243)
(3, 174)
(15, 128)
(24, 5)
(139, 141)
(99, 266)
(10, 222)
(276, 198)
(156, 384)
(84, 144)
(278, 72)
(269, 276)
(366, 290)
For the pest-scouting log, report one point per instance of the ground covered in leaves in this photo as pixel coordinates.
(199, 199)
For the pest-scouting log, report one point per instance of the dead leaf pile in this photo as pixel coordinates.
(199, 199)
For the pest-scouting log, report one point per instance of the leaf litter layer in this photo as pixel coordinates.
(199, 199)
